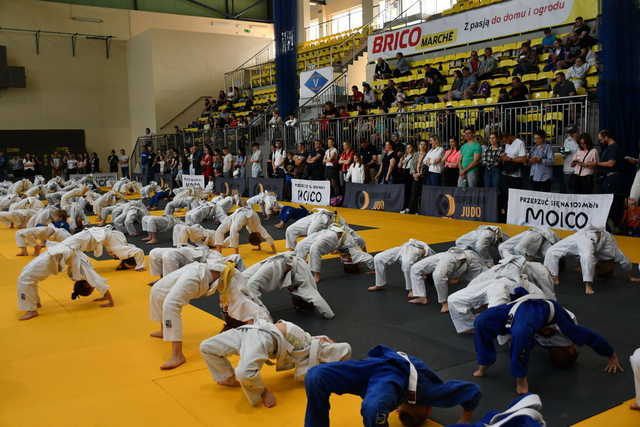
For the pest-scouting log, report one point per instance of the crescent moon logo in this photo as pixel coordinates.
(446, 205)
(452, 205)
(365, 200)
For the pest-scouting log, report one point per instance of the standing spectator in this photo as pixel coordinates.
(402, 66)
(57, 166)
(256, 160)
(29, 167)
(488, 64)
(418, 171)
(577, 73)
(113, 162)
(72, 165)
(405, 166)
(94, 163)
(563, 86)
(314, 162)
(195, 157)
(345, 160)
(216, 162)
(3, 166)
(609, 176)
(300, 162)
(584, 165)
(491, 161)
(451, 162)
(145, 163)
(634, 194)
(448, 125)
(207, 164)
(227, 163)
(290, 129)
(388, 165)
(82, 163)
(527, 60)
(278, 157)
(275, 124)
(369, 155)
(382, 70)
(16, 167)
(470, 154)
(240, 164)
(541, 160)
(185, 162)
(331, 169)
(123, 161)
(568, 151)
(356, 172)
(434, 160)
(513, 158)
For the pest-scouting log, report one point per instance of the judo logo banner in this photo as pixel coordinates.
(474, 204)
(312, 82)
(230, 186)
(379, 197)
(193, 181)
(275, 185)
(100, 178)
(311, 192)
(564, 211)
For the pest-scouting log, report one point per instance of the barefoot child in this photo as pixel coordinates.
(407, 254)
(241, 218)
(37, 236)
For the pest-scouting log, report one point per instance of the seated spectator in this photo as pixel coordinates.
(368, 96)
(483, 91)
(548, 40)
(356, 97)
(518, 91)
(465, 88)
(503, 95)
(402, 66)
(361, 110)
(435, 74)
(563, 86)
(222, 98)
(431, 95)
(389, 94)
(400, 98)
(589, 56)
(474, 63)
(559, 57)
(382, 70)
(527, 61)
(582, 34)
(577, 73)
(232, 95)
(488, 64)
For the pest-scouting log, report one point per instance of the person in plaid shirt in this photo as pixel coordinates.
(491, 161)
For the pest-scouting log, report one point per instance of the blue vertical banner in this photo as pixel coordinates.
(285, 22)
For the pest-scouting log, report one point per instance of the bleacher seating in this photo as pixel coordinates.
(464, 5)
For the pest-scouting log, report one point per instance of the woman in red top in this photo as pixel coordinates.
(207, 164)
(345, 160)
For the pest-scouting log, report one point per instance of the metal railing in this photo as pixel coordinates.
(240, 77)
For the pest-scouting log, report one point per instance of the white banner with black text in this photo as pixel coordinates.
(193, 181)
(311, 192)
(556, 210)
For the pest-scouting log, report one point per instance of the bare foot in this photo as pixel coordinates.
(230, 382)
(23, 252)
(375, 288)
(268, 399)
(419, 300)
(410, 294)
(39, 305)
(522, 386)
(36, 250)
(468, 332)
(635, 407)
(317, 277)
(146, 238)
(107, 304)
(279, 225)
(480, 372)
(153, 242)
(173, 363)
(100, 299)
(556, 280)
(139, 269)
(588, 289)
(28, 315)
(445, 308)
(156, 334)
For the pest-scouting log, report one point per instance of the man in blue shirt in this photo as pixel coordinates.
(145, 162)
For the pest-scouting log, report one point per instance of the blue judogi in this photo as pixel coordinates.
(528, 417)
(153, 202)
(288, 213)
(530, 316)
(382, 380)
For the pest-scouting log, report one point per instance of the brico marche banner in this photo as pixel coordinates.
(513, 17)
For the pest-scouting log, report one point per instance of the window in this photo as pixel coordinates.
(347, 20)
(313, 30)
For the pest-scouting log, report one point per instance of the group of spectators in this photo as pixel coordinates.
(48, 165)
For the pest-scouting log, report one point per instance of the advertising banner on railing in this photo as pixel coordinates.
(499, 20)
(100, 178)
(564, 211)
(379, 197)
(275, 185)
(230, 186)
(311, 192)
(193, 181)
(312, 82)
(473, 204)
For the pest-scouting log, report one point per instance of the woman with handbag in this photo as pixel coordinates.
(584, 166)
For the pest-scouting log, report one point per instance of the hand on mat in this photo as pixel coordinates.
(613, 365)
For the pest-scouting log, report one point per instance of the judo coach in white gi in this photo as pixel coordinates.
(532, 243)
(319, 219)
(592, 245)
(453, 265)
(287, 271)
(241, 218)
(286, 343)
(407, 254)
(175, 290)
(484, 240)
(57, 259)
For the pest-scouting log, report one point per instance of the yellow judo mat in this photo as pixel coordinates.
(81, 365)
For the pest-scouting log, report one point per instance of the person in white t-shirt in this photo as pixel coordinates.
(355, 173)
(569, 150)
(227, 163)
(331, 169)
(434, 161)
(256, 161)
(513, 158)
(277, 159)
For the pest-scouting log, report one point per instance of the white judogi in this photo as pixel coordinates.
(125, 186)
(635, 366)
(27, 203)
(175, 290)
(163, 261)
(132, 213)
(20, 187)
(67, 198)
(257, 343)
(532, 243)
(8, 200)
(56, 259)
(319, 219)
(107, 199)
(265, 200)
(158, 224)
(484, 240)
(97, 239)
(286, 271)
(464, 303)
(36, 191)
(37, 236)
(17, 218)
(591, 244)
(43, 217)
(184, 234)
(456, 263)
(500, 291)
(54, 198)
(407, 254)
(149, 190)
(181, 202)
(242, 217)
(335, 238)
(113, 210)
(77, 215)
(209, 210)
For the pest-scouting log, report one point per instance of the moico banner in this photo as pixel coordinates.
(474, 204)
(565, 211)
(193, 181)
(230, 186)
(100, 178)
(275, 185)
(514, 17)
(311, 192)
(379, 197)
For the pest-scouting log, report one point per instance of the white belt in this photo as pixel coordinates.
(413, 379)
